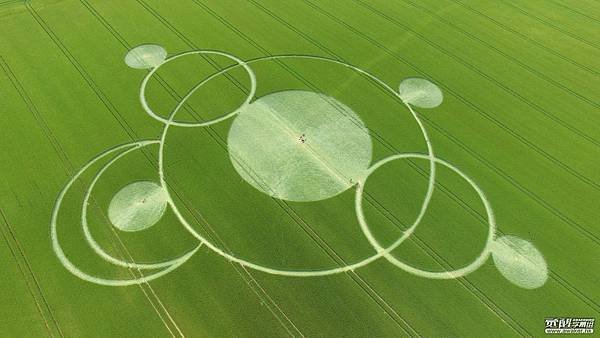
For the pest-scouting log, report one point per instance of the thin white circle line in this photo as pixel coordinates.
(89, 237)
(423, 273)
(149, 110)
(58, 251)
(262, 268)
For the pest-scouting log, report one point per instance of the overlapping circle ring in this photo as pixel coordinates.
(311, 147)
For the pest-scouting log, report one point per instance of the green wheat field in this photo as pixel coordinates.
(480, 215)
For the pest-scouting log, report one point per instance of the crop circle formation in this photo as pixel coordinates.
(310, 147)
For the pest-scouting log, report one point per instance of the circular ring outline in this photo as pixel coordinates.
(258, 267)
(88, 234)
(451, 274)
(170, 121)
(60, 254)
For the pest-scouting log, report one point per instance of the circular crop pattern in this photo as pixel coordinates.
(293, 145)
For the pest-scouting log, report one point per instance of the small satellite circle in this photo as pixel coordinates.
(420, 93)
(145, 56)
(520, 262)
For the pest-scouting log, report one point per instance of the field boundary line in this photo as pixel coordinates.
(30, 270)
(525, 37)
(574, 10)
(57, 148)
(546, 23)
(37, 116)
(23, 274)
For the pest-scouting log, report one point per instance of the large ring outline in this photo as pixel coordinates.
(306, 273)
(170, 121)
(487, 250)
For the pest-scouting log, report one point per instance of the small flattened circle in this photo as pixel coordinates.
(520, 262)
(145, 56)
(420, 93)
(137, 206)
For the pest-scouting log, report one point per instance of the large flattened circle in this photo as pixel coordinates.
(299, 146)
